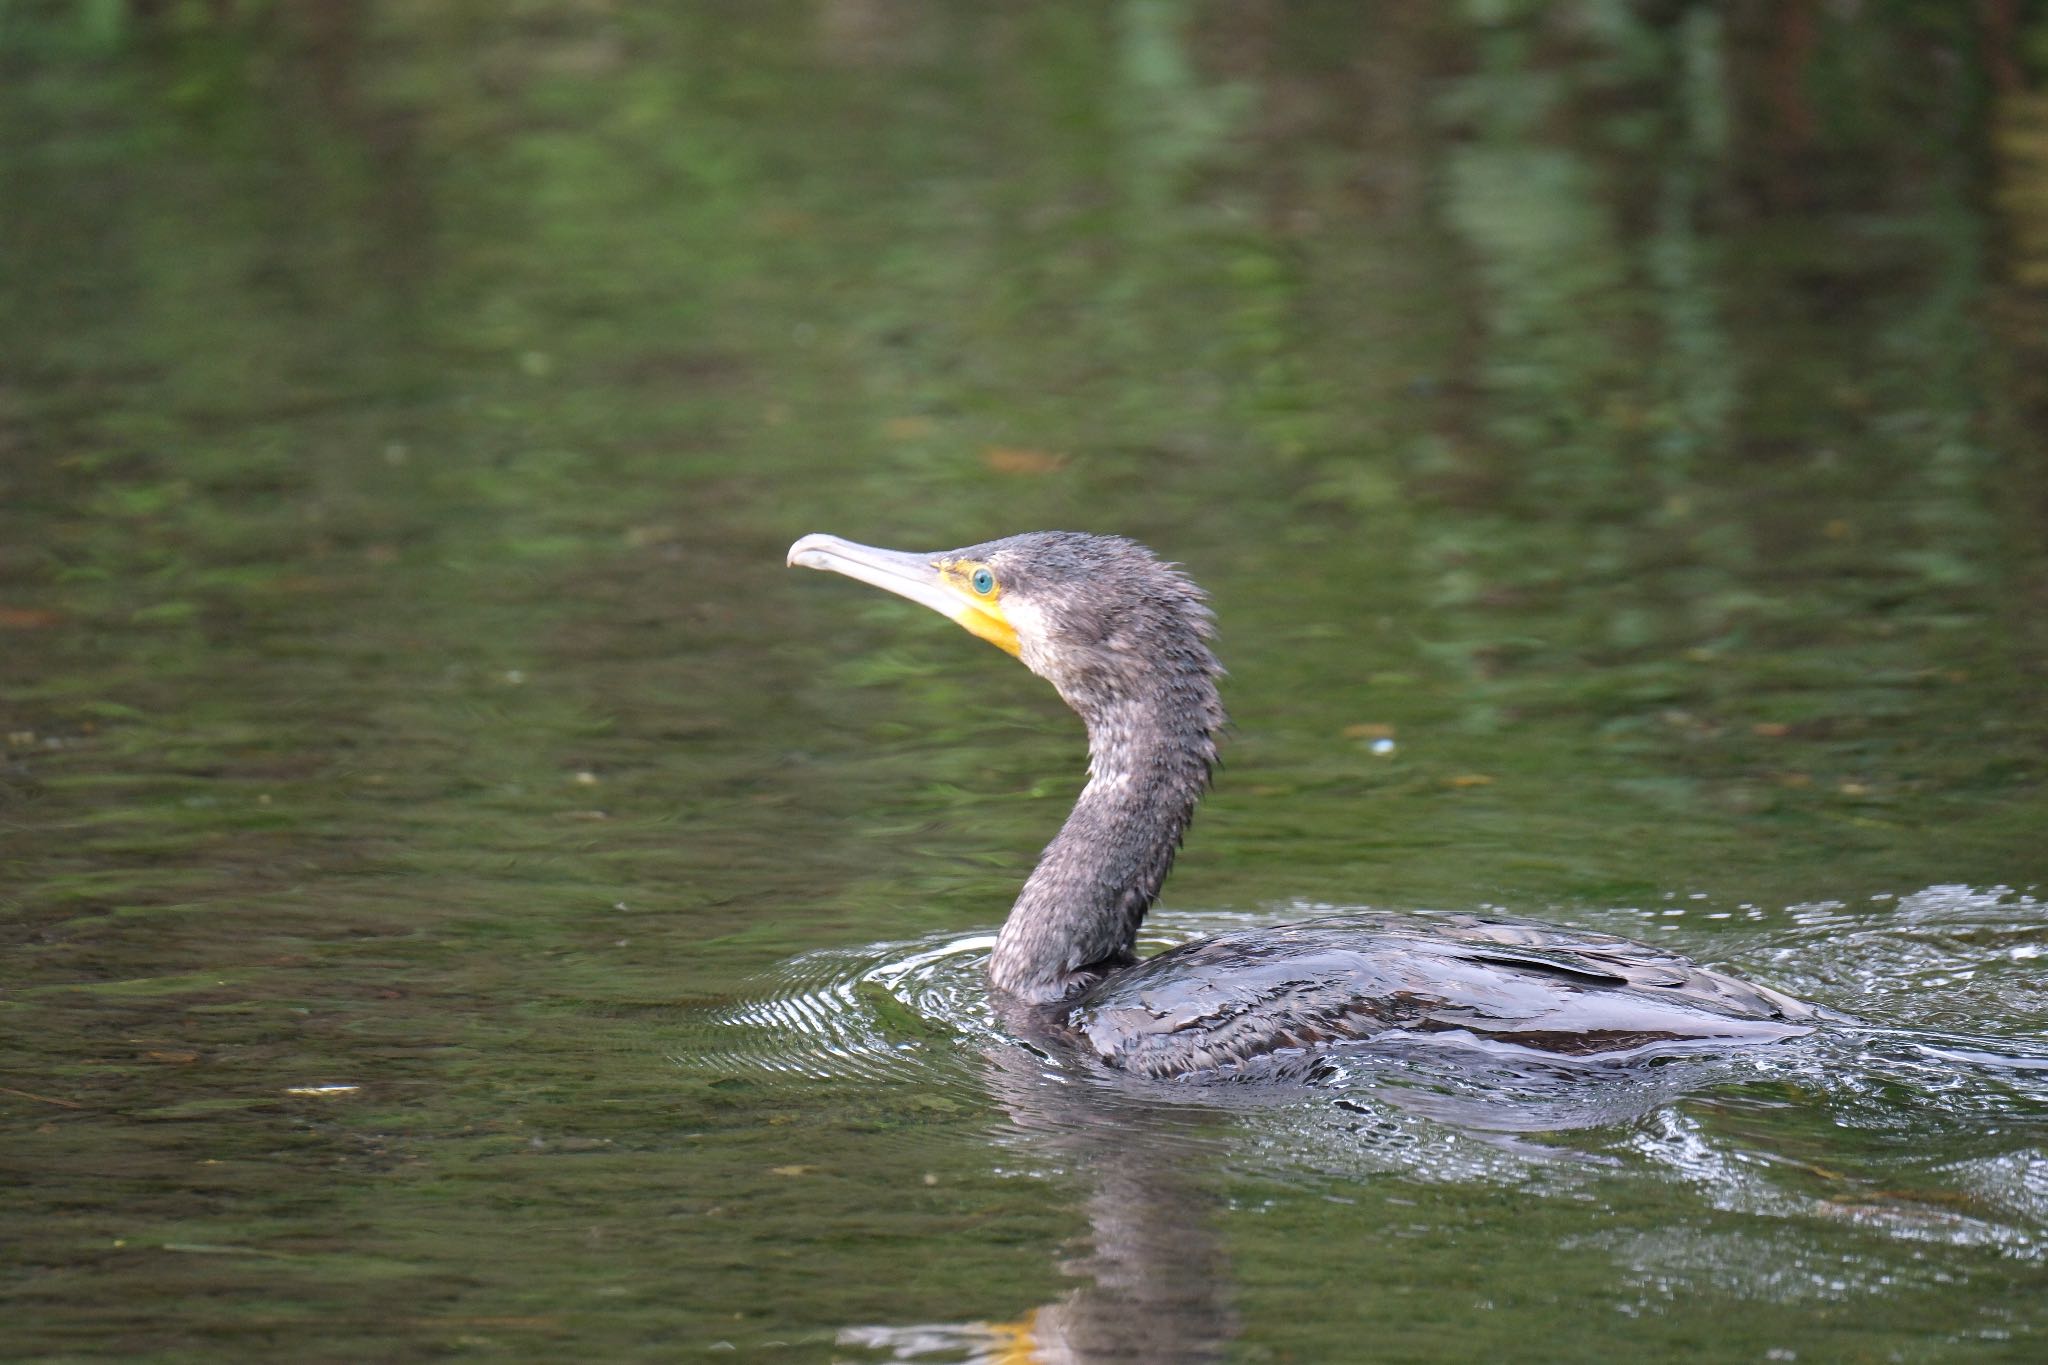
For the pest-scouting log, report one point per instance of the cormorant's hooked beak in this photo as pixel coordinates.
(940, 582)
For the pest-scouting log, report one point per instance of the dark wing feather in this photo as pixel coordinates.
(1226, 1000)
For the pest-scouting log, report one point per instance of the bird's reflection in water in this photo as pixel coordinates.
(1153, 1284)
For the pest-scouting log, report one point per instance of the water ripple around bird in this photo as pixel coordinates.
(1820, 1126)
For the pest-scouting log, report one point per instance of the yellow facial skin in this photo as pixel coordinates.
(981, 611)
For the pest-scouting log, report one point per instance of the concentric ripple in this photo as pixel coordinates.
(886, 1011)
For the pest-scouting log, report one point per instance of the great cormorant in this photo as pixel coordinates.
(1124, 637)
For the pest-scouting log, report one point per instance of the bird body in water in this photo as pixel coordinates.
(1125, 640)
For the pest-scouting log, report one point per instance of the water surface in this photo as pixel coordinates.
(462, 895)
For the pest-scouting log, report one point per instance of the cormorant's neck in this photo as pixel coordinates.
(1150, 752)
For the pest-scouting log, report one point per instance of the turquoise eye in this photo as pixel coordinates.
(984, 582)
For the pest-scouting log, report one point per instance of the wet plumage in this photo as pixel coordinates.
(1125, 640)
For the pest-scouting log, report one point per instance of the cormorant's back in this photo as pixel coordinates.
(1249, 994)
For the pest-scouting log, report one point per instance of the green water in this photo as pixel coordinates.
(462, 896)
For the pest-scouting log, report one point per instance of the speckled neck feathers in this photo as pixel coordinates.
(1124, 638)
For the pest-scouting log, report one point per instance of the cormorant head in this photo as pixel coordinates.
(1100, 617)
